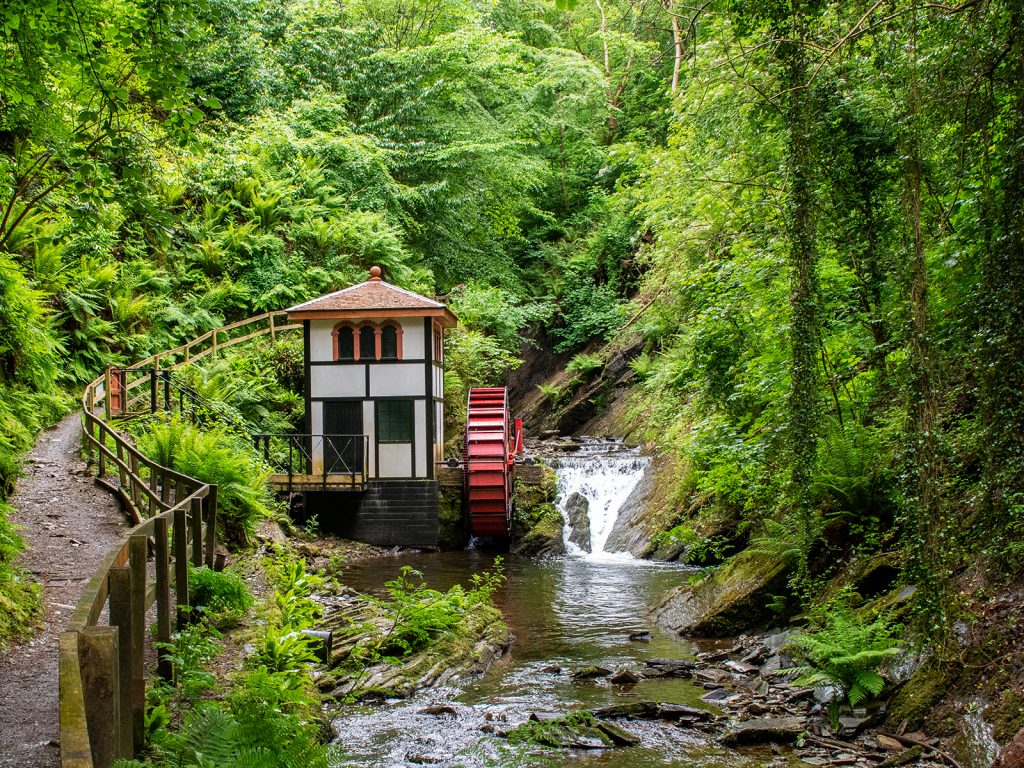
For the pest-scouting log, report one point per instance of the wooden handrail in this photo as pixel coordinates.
(102, 678)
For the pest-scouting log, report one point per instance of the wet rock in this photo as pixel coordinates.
(632, 710)
(544, 717)
(640, 637)
(625, 677)
(773, 729)
(716, 676)
(1013, 753)
(424, 759)
(850, 726)
(552, 669)
(486, 728)
(619, 736)
(889, 744)
(680, 711)
(910, 756)
(440, 710)
(577, 512)
(669, 668)
(740, 667)
(732, 599)
(590, 673)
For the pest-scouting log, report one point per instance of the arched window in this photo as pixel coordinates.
(344, 342)
(389, 343)
(367, 343)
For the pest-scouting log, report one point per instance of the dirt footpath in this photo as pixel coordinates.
(68, 524)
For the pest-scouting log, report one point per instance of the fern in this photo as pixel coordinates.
(845, 652)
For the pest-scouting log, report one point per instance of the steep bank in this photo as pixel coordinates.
(971, 698)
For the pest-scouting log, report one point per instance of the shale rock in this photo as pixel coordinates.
(773, 729)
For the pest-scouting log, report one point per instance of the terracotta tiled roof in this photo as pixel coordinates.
(374, 294)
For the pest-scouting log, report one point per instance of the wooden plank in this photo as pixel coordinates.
(138, 547)
(211, 525)
(121, 617)
(75, 751)
(195, 527)
(163, 595)
(98, 662)
(180, 547)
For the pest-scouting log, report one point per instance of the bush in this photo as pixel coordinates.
(224, 595)
(214, 456)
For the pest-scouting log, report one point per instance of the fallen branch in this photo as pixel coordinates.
(918, 743)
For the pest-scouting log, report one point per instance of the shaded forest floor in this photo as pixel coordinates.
(68, 524)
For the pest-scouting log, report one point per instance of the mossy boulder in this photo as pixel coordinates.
(918, 696)
(536, 522)
(576, 730)
(731, 600)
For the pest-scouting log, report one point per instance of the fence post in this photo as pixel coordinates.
(163, 596)
(211, 526)
(195, 524)
(180, 563)
(133, 485)
(101, 457)
(122, 473)
(107, 378)
(213, 339)
(121, 617)
(138, 546)
(152, 390)
(98, 662)
(273, 331)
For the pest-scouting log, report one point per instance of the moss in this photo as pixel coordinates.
(536, 522)
(918, 696)
(452, 532)
(572, 730)
(732, 599)
(1006, 715)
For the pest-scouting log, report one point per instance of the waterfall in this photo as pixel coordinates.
(593, 484)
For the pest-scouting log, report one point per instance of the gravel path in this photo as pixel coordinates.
(68, 524)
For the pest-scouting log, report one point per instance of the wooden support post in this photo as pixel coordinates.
(101, 457)
(74, 735)
(273, 331)
(181, 563)
(107, 379)
(153, 397)
(213, 340)
(211, 526)
(165, 489)
(101, 682)
(121, 473)
(120, 617)
(133, 486)
(138, 547)
(163, 595)
(195, 525)
(154, 508)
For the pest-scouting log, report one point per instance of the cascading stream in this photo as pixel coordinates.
(593, 484)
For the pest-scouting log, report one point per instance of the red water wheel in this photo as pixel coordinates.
(491, 445)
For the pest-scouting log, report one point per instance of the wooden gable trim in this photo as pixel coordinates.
(444, 316)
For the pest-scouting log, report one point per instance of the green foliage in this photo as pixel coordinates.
(214, 456)
(845, 651)
(419, 615)
(223, 595)
(20, 596)
(585, 364)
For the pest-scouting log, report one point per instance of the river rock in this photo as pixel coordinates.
(669, 668)
(632, 710)
(772, 729)
(1013, 753)
(731, 600)
(681, 711)
(552, 669)
(619, 736)
(640, 637)
(625, 677)
(591, 672)
(577, 513)
(440, 710)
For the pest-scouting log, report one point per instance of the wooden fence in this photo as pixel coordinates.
(102, 665)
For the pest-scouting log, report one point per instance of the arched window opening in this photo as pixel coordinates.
(367, 343)
(388, 343)
(344, 344)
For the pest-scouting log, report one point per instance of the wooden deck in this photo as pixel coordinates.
(331, 482)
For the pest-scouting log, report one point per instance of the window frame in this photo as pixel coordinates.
(378, 418)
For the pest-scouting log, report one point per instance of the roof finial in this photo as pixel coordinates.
(375, 274)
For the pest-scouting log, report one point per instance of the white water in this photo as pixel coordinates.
(604, 472)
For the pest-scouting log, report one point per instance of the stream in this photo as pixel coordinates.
(567, 612)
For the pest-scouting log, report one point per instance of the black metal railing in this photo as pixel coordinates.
(330, 460)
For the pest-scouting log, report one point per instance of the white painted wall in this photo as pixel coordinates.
(395, 460)
(419, 419)
(321, 345)
(370, 428)
(338, 380)
(412, 338)
(395, 380)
